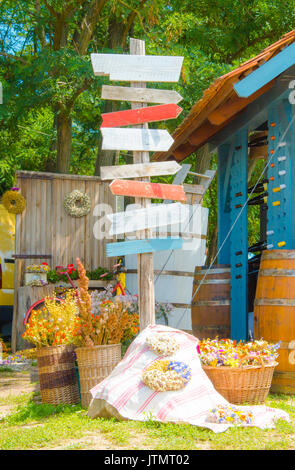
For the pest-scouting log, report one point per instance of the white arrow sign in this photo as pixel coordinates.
(156, 215)
(151, 140)
(139, 95)
(137, 68)
(139, 170)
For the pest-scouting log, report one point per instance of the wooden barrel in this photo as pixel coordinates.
(274, 313)
(211, 305)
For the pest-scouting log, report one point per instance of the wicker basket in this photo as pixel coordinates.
(57, 375)
(240, 385)
(95, 364)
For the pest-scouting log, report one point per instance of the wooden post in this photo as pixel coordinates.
(145, 261)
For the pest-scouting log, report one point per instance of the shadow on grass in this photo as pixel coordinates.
(33, 410)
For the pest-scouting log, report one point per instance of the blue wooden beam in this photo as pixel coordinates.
(266, 72)
(281, 172)
(224, 167)
(149, 245)
(239, 237)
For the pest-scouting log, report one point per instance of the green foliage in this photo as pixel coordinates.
(53, 277)
(47, 76)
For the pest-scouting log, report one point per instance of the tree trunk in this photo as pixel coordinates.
(64, 142)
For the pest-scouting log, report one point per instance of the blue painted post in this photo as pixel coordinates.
(281, 170)
(224, 168)
(239, 237)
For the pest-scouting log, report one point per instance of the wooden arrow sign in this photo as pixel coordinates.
(139, 95)
(148, 190)
(137, 68)
(150, 245)
(141, 115)
(136, 139)
(139, 170)
(155, 215)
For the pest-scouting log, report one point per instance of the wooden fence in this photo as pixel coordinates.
(44, 228)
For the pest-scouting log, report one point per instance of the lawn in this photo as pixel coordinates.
(26, 423)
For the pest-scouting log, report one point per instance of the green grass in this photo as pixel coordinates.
(33, 425)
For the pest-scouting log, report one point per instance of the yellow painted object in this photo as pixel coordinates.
(7, 234)
(122, 278)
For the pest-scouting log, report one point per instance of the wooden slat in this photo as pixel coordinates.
(139, 170)
(137, 68)
(148, 190)
(143, 246)
(139, 95)
(155, 215)
(266, 72)
(135, 139)
(139, 116)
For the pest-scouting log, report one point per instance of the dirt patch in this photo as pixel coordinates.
(99, 441)
(18, 383)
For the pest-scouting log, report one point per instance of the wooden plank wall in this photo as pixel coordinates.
(45, 228)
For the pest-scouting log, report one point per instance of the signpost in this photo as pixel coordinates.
(151, 245)
(147, 190)
(139, 95)
(139, 170)
(154, 140)
(155, 215)
(138, 69)
(141, 115)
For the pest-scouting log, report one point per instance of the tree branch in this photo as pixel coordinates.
(87, 26)
(14, 57)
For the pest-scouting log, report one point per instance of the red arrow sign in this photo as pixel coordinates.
(141, 115)
(148, 190)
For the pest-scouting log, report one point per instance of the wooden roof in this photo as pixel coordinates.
(219, 105)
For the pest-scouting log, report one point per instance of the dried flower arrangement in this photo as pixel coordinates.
(112, 325)
(54, 324)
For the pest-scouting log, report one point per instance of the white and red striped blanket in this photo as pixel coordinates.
(123, 394)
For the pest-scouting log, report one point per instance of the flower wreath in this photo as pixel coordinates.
(230, 414)
(77, 204)
(164, 375)
(163, 345)
(13, 201)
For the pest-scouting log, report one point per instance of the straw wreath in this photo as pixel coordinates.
(77, 204)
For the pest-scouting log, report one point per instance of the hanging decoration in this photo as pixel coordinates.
(77, 204)
(13, 201)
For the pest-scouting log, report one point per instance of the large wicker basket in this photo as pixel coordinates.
(95, 364)
(240, 385)
(57, 375)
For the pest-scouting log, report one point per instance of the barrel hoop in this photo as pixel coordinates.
(277, 273)
(210, 303)
(167, 273)
(213, 271)
(211, 327)
(212, 281)
(284, 375)
(275, 302)
(175, 304)
(274, 254)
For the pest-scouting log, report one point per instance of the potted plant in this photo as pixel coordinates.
(53, 331)
(99, 336)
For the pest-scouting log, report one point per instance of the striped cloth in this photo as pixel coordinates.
(123, 394)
